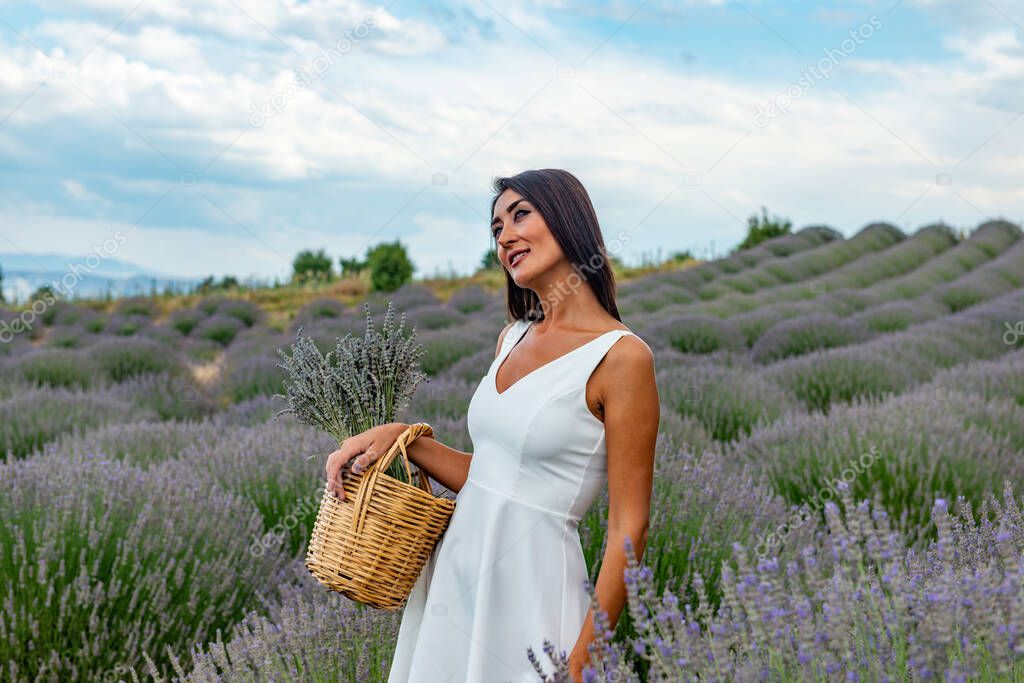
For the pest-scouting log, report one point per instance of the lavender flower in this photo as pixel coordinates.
(362, 383)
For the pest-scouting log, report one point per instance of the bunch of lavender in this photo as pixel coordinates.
(363, 382)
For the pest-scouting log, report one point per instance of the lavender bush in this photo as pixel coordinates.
(30, 418)
(892, 364)
(53, 368)
(993, 379)
(856, 606)
(270, 465)
(728, 402)
(122, 359)
(311, 635)
(247, 377)
(113, 562)
(319, 309)
(67, 337)
(443, 348)
(701, 506)
(185, 320)
(219, 328)
(805, 334)
(171, 395)
(138, 305)
(904, 452)
(697, 334)
(244, 311)
(126, 325)
(144, 443)
(254, 411)
(469, 300)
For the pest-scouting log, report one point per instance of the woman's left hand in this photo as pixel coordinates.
(576, 662)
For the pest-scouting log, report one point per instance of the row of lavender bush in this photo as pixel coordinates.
(954, 430)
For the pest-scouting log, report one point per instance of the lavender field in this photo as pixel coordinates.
(838, 493)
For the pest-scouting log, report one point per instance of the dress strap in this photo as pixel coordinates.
(514, 333)
(588, 361)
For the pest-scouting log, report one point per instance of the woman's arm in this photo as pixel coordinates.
(442, 463)
(631, 416)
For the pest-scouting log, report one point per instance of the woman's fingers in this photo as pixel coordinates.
(335, 462)
(361, 449)
(364, 460)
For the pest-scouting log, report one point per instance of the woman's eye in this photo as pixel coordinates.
(496, 228)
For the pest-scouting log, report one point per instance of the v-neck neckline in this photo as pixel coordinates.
(503, 358)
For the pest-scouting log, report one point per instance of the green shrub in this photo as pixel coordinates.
(390, 266)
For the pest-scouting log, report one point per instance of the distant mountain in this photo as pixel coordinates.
(24, 274)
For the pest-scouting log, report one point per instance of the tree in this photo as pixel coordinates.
(350, 267)
(2, 299)
(42, 292)
(489, 260)
(310, 265)
(763, 228)
(390, 267)
(209, 284)
(681, 256)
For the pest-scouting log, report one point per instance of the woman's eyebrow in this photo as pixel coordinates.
(509, 209)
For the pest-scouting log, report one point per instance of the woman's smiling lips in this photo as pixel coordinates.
(516, 257)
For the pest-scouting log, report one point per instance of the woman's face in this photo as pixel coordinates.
(525, 245)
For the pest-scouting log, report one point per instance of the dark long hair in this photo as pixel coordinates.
(566, 208)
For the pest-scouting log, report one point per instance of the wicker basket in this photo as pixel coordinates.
(372, 546)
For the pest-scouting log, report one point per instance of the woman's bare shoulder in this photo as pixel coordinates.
(501, 337)
(631, 356)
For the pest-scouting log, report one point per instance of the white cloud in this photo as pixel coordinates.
(77, 191)
(626, 123)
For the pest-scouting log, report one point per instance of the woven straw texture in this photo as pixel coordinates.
(372, 546)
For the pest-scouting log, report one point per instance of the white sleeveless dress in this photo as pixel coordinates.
(509, 570)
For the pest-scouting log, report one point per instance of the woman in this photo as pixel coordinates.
(563, 409)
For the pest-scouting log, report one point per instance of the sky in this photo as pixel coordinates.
(197, 137)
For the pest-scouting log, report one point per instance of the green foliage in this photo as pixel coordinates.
(681, 256)
(44, 292)
(351, 267)
(120, 360)
(219, 328)
(56, 368)
(311, 266)
(763, 228)
(210, 284)
(490, 260)
(390, 266)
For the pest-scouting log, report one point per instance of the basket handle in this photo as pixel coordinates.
(369, 480)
